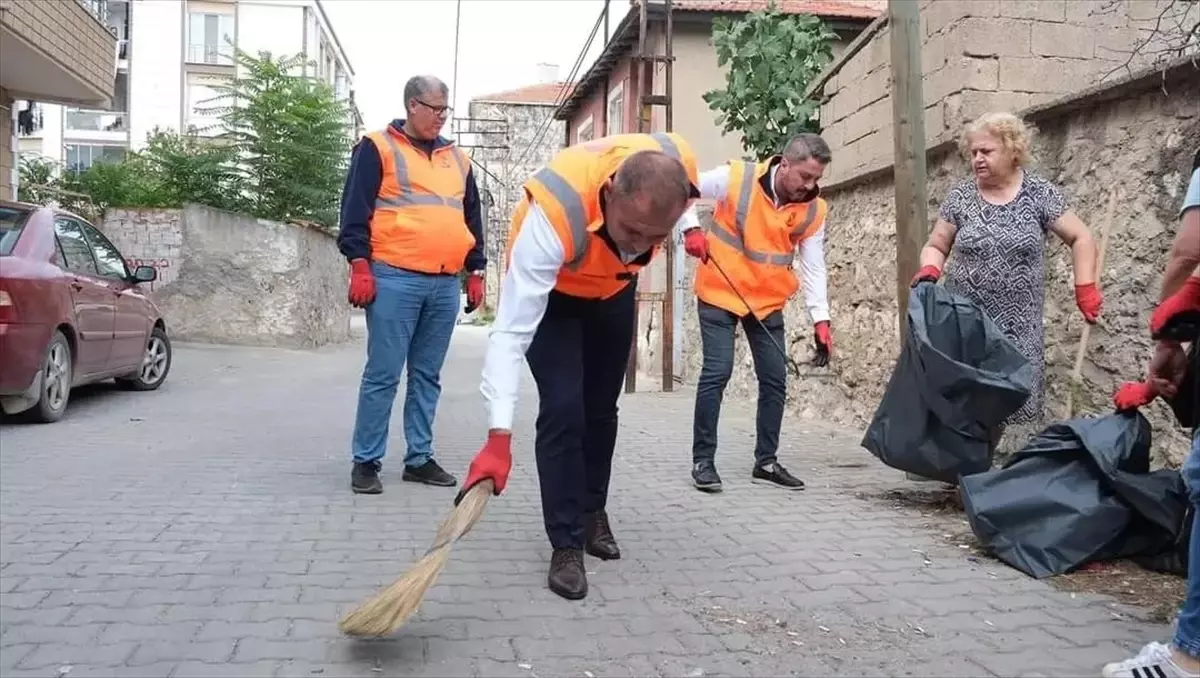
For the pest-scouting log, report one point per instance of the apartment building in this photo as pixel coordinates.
(171, 56)
(50, 51)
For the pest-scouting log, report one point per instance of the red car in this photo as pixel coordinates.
(71, 313)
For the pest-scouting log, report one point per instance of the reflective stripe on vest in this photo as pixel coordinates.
(743, 209)
(408, 197)
(572, 202)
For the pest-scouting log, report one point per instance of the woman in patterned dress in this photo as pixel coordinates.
(994, 224)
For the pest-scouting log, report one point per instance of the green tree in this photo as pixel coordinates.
(189, 168)
(289, 135)
(771, 59)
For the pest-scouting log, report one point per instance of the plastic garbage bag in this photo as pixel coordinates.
(1080, 491)
(958, 378)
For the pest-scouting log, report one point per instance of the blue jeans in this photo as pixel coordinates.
(410, 320)
(717, 328)
(1187, 634)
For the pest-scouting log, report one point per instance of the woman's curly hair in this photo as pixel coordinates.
(1014, 134)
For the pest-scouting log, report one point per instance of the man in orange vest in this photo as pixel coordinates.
(410, 223)
(590, 220)
(764, 211)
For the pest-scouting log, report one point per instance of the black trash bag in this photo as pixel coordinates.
(1080, 491)
(958, 378)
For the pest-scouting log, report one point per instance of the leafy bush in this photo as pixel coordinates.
(770, 58)
(280, 154)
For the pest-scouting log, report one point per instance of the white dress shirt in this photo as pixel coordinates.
(537, 256)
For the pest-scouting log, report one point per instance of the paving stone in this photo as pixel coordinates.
(218, 537)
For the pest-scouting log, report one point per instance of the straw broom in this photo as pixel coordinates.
(387, 611)
(1075, 388)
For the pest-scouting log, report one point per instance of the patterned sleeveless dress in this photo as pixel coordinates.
(998, 261)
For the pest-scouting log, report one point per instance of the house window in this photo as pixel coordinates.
(202, 96)
(586, 131)
(82, 156)
(616, 110)
(210, 38)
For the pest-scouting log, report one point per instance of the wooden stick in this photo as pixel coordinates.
(1077, 373)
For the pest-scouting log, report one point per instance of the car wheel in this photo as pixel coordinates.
(156, 363)
(56, 382)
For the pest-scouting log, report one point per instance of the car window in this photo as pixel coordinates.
(108, 258)
(12, 222)
(77, 254)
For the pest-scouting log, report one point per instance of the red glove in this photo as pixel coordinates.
(1185, 302)
(824, 340)
(362, 283)
(475, 289)
(927, 274)
(1089, 300)
(695, 243)
(493, 461)
(1134, 394)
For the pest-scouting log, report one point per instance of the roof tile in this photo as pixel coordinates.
(544, 94)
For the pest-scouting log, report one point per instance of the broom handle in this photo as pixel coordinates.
(1087, 328)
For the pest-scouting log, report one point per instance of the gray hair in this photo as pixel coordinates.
(656, 176)
(423, 84)
(807, 145)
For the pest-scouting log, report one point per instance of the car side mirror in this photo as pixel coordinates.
(143, 274)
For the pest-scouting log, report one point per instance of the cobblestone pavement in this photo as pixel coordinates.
(208, 530)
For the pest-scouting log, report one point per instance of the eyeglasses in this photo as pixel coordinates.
(437, 110)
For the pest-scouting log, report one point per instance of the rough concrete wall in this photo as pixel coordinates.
(229, 278)
(1142, 145)
(981, 55)
(528, 137)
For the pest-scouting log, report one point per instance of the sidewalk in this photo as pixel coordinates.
(208, 530)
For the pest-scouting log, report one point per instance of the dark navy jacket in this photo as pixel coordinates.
(362, 187)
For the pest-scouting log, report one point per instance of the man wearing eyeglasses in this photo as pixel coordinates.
(410, 224)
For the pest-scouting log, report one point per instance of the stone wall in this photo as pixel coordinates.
(982, 55)
(232, 279)
(527, 137)
(1140, 140)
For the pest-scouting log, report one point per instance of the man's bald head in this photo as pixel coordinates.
(648, 194)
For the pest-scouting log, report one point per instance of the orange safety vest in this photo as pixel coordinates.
(755, 244)
(568, 191)
(418, 223)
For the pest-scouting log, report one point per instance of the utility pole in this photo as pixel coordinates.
(457, 22)
(908, 111)
(606, 2)
(647, 100)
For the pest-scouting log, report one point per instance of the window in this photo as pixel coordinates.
(12, 222)
(109, 261)
(616, 110)
(210, 38)
(586, 131)
(76, 253)
(202, 96)
(83, 156)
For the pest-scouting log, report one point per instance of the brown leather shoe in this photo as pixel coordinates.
(599, 539)
(567, 577)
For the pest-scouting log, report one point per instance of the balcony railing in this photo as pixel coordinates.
(96, 121)
(97, 8)
(29, 121)
(221, 55)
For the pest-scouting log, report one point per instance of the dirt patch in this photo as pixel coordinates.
(1158, 595)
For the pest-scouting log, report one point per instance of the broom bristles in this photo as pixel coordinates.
(387, 610)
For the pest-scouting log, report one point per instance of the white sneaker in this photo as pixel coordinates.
(1154, 661)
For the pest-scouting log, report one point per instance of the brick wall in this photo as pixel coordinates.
(68, 34)
(980, 55)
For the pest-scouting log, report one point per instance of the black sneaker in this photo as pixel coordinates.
(774, 474)
(705, 478)
(364, 478)
(430, 474)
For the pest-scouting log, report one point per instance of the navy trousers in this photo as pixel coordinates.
(578, 359)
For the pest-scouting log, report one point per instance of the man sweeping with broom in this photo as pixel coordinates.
(590, 220)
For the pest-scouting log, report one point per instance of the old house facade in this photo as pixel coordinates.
(509, 136)
(606, 99)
